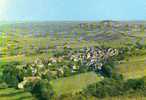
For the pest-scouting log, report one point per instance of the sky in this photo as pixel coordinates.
(42, 10)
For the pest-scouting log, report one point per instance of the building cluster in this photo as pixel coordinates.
(94, 57)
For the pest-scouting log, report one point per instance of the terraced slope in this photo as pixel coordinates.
(13, 94)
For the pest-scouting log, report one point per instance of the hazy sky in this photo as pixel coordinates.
(72, 9)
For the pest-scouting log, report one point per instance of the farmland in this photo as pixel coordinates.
(134, 65)
(70, 84)
(13, 94)
(67, 60)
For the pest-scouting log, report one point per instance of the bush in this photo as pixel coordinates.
(67, 72)
(3, 85)
(107, 87)
(58, 53)
(41, 89)
(117, 76)
(116, 87)
(11, 75)
(107, 71)
(134, 84)
(83, 69)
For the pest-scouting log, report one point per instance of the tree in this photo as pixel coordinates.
(11, 75)
(107, 87)
(107, 70)
(41, 89)
(134, 84)
(67, 72)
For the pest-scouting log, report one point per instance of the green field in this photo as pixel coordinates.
(74, 83)
(12, 48)
(135, 67)
(13, 94)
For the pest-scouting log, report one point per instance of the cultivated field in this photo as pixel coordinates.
(74, 83)
(13, 94)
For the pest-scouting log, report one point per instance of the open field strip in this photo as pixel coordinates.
(74, 83)
(135, 67)
(14, 94)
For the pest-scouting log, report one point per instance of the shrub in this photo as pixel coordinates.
(58, 53)
(83, 69)
(11, 75)
(67, 72)
(41, 89)
(134, 84)
(107, 87)
(107, 71)
(3, 85)
(117, 76)
(116, 87)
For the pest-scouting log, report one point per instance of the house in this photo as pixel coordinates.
(26, 80)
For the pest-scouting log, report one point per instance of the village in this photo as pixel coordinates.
(87, 59)
(54, 61)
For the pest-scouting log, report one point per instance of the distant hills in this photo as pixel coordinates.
(93, 29)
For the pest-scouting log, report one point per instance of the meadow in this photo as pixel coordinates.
(136, 65)
(14, 94)
(70, 84)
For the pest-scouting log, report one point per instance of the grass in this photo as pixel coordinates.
(2, 38)
(14, 94)
(23, 58)
(135, 67)
(122, 98)
(74, 83)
